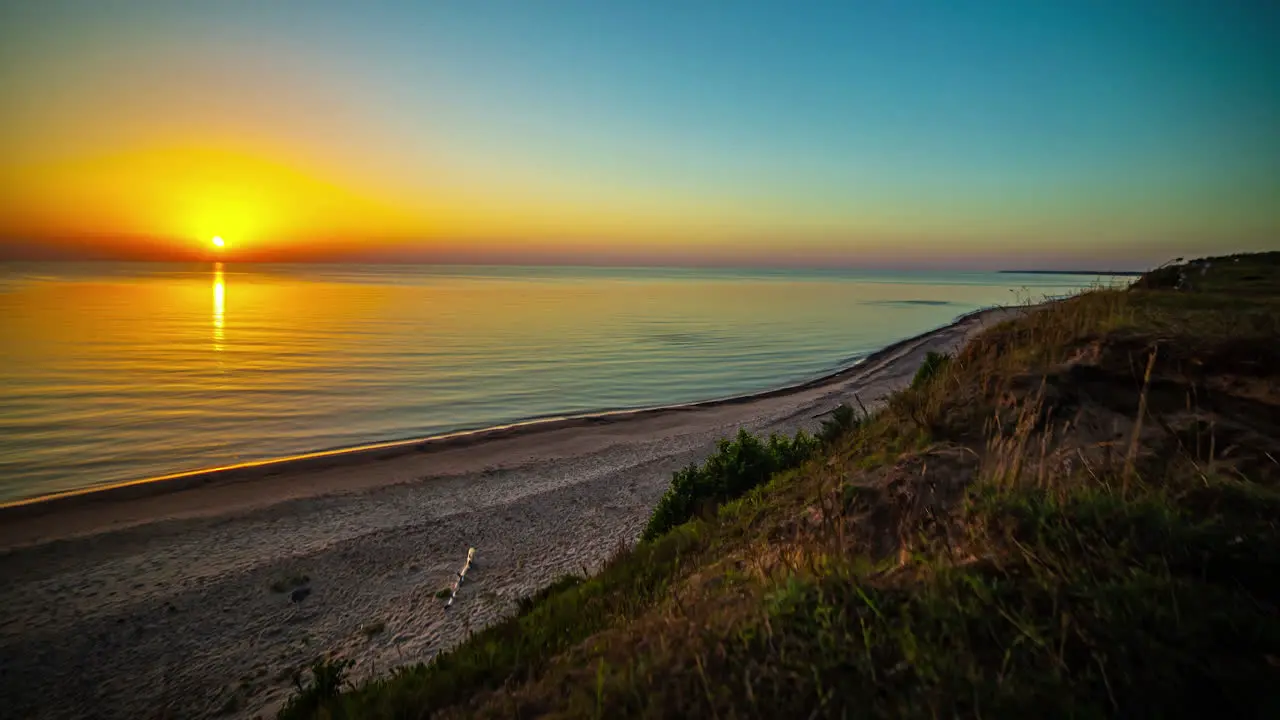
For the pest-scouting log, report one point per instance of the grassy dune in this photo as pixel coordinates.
(1077, 515)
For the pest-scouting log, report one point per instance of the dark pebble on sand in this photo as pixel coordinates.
(300, 594)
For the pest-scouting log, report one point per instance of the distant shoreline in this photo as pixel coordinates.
(1124, 273)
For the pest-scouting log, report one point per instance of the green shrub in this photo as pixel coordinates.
(934, 362)
(842, 420)
(737, 466)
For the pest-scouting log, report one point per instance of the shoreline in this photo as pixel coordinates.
(187, 601)
(251, 470)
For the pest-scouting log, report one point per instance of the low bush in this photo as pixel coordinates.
(933, 363)
(737, 466)
(842, 420)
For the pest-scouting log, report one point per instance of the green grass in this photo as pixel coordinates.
(527, 604)
(1089, 604)
(1077, 515)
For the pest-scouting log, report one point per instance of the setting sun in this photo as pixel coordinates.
(218, 241)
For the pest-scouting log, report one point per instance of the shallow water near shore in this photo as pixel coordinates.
(116, 371)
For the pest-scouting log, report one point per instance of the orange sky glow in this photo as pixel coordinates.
(147, 131)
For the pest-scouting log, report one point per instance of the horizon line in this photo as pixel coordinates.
(546, 263)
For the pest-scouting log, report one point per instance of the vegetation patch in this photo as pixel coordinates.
(321, 690)
(527, 604)
(737, 466)
(934, 362)
(841, 422)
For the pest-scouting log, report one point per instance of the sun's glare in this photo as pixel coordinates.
(218, 241)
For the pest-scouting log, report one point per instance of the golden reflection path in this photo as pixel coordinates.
(219, 307)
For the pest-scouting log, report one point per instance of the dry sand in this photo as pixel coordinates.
(174, 600)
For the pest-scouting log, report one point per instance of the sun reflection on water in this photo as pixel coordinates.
(219, 306)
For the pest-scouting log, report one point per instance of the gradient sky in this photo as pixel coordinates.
(982, 134)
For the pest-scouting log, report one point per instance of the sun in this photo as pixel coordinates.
(218, 241)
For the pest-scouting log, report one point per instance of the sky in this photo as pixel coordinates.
(869, 133)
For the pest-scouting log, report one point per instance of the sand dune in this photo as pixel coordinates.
(177, 600)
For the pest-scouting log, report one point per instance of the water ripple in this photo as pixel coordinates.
(114, 371)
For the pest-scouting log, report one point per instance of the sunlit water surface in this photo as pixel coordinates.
(115, 371)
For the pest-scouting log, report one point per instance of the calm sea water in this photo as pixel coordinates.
(119, 371)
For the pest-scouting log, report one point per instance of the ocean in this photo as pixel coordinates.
(119, 371)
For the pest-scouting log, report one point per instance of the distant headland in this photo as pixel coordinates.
(1133, 273)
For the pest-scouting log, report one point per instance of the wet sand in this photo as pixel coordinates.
(176, 598)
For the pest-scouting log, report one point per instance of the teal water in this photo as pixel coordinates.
(114, 371)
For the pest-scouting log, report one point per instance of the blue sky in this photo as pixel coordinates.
(879, 130)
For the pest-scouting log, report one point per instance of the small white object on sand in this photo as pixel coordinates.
(457, 583)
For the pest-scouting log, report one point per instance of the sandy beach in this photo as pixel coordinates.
(201, 596)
